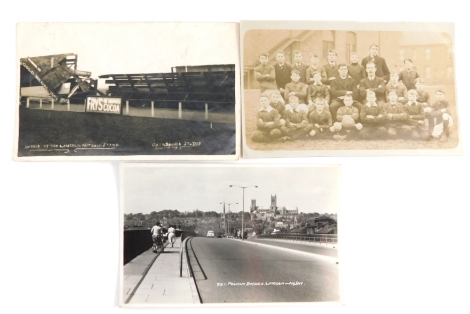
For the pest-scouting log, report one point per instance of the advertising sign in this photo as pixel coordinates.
(103, 104)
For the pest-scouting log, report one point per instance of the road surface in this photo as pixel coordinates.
(239, 272)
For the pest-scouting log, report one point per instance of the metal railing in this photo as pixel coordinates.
(178, 105)
(305, 238)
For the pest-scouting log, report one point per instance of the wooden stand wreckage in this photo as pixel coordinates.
(56, 77)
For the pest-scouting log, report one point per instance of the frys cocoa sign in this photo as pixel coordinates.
(103, 104)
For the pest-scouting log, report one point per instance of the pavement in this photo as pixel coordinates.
(152, 280)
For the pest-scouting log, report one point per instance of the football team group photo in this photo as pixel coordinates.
(322, 89)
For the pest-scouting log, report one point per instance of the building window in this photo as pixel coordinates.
(350, 44)
(450, 53)
(427, 54)
(328, 42)
(427, 71)
(402, 54)
(450, 72)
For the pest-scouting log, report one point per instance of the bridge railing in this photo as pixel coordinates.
(305, 238)
(137, 241)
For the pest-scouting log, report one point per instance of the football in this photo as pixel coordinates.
(348, 122)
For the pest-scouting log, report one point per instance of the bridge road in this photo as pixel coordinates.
(230, 265)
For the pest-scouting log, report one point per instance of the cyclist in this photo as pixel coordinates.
(171, 235)
(157, 236)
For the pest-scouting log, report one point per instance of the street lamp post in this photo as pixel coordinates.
(225, 216)
(243, 204)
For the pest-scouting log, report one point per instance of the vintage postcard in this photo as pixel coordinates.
(348, 89)
(127, 91)
(197, 235)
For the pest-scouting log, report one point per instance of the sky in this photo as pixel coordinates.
(147, 188)
(114, 48)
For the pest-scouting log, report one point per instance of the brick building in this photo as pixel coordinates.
(431, 52)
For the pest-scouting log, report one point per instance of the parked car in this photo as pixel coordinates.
(210, 234)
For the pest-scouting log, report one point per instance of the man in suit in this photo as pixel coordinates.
(282, 71)
(331, 67)
(341, 86)
(372, 83)
(380, 64)
(299, 66)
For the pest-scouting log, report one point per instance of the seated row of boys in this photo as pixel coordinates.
(279, 122)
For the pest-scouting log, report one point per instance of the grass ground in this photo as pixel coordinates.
(251, 105)
(40, 129)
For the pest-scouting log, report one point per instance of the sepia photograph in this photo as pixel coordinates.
(233, 234)
(344, 88)
(127, 91)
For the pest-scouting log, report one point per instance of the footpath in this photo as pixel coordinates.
(151, 280)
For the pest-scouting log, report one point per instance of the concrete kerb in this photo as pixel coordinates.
(325, 258)
(192, 282)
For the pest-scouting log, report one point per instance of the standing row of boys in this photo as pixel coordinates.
(362, 101)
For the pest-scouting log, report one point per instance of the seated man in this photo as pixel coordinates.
(374, 84)
(341, 86)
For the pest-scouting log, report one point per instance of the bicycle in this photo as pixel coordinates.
(157, 244)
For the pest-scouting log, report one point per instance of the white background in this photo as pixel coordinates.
(404, 220)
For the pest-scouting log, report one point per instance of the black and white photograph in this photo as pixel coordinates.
(332, 88)
(233, 234)
(120, 91)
